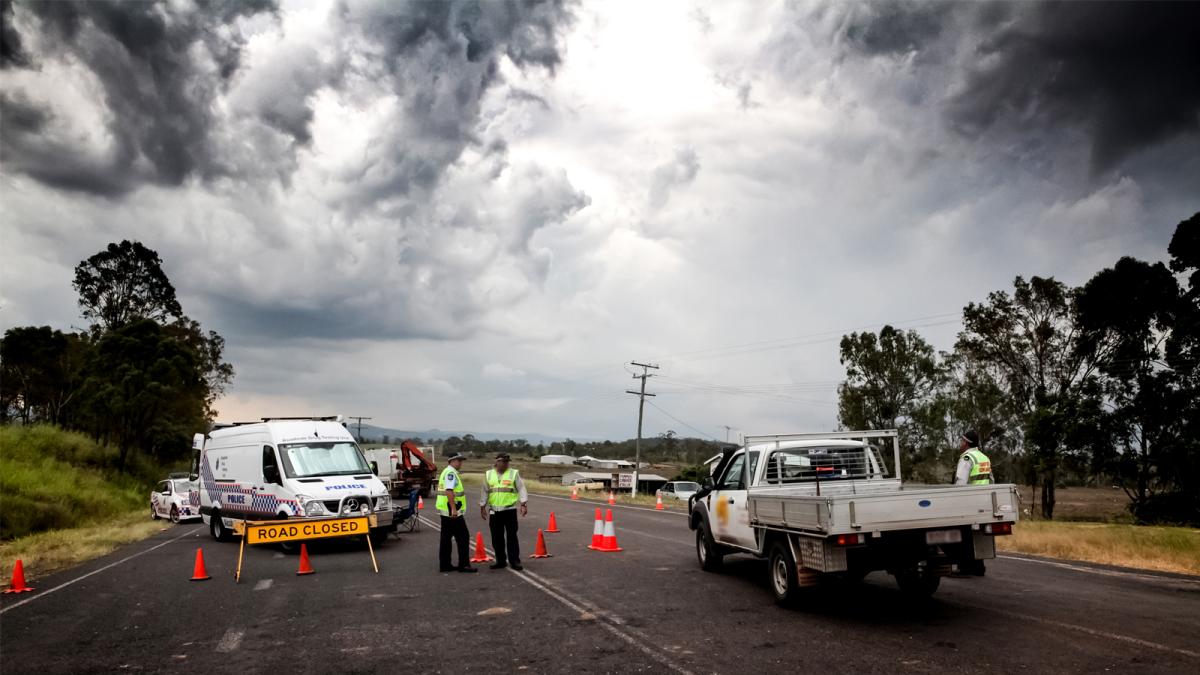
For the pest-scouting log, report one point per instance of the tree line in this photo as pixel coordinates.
(142, 376)
(1098, 384)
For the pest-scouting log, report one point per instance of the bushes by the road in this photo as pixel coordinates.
(51, 479)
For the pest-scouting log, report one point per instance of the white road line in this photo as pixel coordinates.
(108, 566)
(604, 505)
(264, 584)
(1090, 631)
(606, 620)
(1102, 572)
(230, 641)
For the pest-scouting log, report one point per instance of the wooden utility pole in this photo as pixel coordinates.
(637, 457)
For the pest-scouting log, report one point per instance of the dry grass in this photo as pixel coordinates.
(1105, 505)
(1166, 549)
(47, 552)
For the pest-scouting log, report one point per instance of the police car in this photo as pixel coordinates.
(176, 498)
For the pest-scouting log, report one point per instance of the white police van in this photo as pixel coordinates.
(283, 468)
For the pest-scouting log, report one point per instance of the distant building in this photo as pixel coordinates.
(557, 459)
(647, 482)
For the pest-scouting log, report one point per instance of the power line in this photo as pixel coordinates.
(360, 421)
(699, 431)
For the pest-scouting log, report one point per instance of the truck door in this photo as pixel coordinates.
(731, 524)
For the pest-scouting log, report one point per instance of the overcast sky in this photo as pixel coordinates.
(471, 216)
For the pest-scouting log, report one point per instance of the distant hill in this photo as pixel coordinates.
(373, 432)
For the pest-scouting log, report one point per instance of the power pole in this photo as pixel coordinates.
(637, 458)
(727, 429)
(360, 421)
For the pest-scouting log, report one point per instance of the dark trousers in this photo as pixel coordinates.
(504, 536)
(456, 529)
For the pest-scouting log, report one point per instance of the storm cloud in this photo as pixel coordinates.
(1123, 74)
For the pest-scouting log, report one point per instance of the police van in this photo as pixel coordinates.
(283, 468)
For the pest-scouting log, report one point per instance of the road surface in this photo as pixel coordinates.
(646, 609)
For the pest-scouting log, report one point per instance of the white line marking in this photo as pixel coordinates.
(81, 578)
(230, 641)
(605, 619)
(1092, 631)
(1102, 572)
(264, 584)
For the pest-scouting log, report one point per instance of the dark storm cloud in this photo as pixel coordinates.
(155, 63)
(1123, 73)
(11, 51)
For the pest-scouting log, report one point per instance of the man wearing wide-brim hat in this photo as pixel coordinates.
(503, 497)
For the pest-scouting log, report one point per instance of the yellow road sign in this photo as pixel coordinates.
(293, 530)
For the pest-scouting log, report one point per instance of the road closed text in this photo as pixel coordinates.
(271, 533)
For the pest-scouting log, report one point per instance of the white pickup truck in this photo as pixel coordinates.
(828, 505)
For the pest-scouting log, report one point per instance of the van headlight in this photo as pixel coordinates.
(312, 507)
(383, 503)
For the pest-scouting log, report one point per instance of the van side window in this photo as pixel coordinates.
(270, 465)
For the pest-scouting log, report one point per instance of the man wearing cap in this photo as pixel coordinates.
(451, 506)
(974, 467)
(503, 496)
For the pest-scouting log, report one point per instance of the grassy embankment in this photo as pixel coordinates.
(62, 502)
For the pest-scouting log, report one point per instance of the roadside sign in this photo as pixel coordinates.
(625, 481)
(277, 532)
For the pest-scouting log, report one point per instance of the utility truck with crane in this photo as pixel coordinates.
(832, 505)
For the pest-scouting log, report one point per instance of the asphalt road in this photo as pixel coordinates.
(648, 608)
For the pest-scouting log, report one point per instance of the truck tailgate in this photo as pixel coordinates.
(910, 508)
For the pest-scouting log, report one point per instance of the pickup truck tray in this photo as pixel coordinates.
(881, 508)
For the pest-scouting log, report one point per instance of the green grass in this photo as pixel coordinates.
(46, 552)
(52, 479)
(1167, 549)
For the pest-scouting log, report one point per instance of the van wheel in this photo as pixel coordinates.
(378, 536)
(711, 559)
(783, 575)
(216, 527)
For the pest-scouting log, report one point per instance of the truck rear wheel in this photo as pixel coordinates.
(710, 557)
(784, 585)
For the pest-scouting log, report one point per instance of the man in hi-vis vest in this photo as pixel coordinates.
(974, 467)
(503, 496)
(452, 506)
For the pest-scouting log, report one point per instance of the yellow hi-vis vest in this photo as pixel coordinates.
(443, 504)
(981, 467)
(502, 489)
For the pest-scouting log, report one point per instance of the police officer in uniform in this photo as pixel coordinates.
(451, 505)
(503, 496)
(974, 468)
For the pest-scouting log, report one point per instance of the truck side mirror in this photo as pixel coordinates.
(374, 467)
(194, 477)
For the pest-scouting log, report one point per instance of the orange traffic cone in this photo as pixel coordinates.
(18, 579)
(609, 543)
(597, 532)
(552, 526)
(199, 573)
(540, 550)
(612, 498)
(305, 566)
(658, 506)
(480, 553)
(575, 492)
(420, 503)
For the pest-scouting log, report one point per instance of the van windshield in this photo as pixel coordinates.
(303, 460)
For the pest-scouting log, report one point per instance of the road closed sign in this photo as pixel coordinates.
(280, 531)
